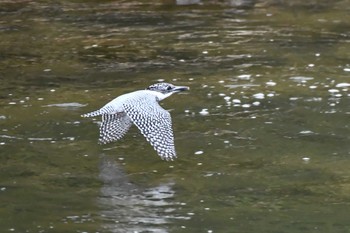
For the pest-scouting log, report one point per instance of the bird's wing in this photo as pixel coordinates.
(154, 123)
(113, 127)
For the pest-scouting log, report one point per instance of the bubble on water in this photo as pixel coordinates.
(204, 112)
(313, 87)
(199, 152)
(333, 90)
(271, 83)
(256, 103)
(12, 103)
(205, 52)
(346, 69)
(221, 81)
(343, 85)
(311, 65)
(259, 96)
(236, 101)
(227, 98)
(270, 95)
(245, 105)
(317, 54)
(47, 70)
(306, 159)
(293, 98)
(244, 76)
(306, 132)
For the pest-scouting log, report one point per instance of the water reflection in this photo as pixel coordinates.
(127, 207)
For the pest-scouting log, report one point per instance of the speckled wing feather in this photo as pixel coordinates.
(114, 127)
(154, 123)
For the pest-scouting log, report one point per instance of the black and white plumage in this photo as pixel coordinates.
(142, 109)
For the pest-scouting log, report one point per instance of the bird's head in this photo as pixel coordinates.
(166, 89)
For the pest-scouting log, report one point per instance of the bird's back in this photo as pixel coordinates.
(117, 105)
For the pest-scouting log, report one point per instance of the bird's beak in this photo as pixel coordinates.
(180, 88)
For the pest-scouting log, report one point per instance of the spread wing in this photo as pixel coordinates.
(114, 127)
(154, 123)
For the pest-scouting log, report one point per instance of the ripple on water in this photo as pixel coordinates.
(301, 79)
(67, 105)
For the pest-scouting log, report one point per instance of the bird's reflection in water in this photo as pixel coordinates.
(128, 208)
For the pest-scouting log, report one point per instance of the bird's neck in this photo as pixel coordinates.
(160, 96)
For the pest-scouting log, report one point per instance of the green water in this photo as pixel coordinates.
(262, 137)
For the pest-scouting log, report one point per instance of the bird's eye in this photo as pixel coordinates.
(169, 88)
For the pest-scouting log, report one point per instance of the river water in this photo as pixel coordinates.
(262, 137)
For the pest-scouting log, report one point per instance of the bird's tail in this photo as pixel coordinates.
(92, 114)
(107, 109)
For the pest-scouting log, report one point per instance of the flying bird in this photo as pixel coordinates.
(142, 109)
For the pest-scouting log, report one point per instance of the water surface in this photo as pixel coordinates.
(262, 137)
